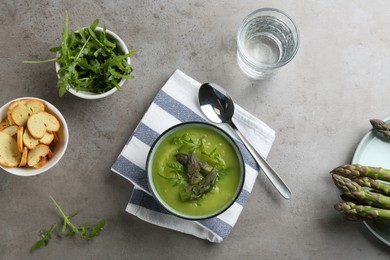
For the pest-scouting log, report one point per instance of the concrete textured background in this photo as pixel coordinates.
(319, 106)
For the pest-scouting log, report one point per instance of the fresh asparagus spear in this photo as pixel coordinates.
(201, 176)
(381, 126)
(355, 191)
(381, 187)
(357, 170)
(363, 212)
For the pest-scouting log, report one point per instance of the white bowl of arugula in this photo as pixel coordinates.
(92, 62)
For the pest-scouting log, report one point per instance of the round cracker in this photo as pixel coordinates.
(35, 155)
(19, 115)
(9, 153)
(28, 140)
(47, 138)
(41, 122)
(34, 106)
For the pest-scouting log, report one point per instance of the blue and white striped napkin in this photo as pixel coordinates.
(177, 102)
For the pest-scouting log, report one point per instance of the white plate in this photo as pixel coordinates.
(374, 150)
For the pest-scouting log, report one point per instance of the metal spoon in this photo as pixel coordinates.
(218, 107)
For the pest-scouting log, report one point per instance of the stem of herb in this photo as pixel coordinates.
(66, 219)
(82, 48)
(38, 61)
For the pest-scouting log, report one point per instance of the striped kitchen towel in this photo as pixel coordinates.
(175, 103)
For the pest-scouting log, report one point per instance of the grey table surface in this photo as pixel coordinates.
(319, 106)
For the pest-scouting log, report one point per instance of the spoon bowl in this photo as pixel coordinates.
(217, 105)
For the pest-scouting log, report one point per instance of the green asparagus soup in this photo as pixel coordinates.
(197, 170)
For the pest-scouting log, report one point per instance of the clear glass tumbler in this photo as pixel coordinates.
(267, 39)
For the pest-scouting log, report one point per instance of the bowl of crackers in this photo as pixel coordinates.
(33, 136)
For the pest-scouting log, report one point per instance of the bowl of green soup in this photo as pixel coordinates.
(195, 170)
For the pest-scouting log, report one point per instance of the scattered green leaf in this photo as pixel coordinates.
(68, 229)
(45, 237)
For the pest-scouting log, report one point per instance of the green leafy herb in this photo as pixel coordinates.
(45, 237)
(216, 159)
(190, 142)
(85, 231)
(176, 174)
(89, 60)
(68, 229)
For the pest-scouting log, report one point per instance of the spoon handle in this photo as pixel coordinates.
(268, 170)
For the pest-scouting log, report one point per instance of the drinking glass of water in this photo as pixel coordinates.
(267, 39)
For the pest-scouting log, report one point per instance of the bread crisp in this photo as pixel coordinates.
(35, 106)
(20, 110)
(35, 155)
(19, 115)
(23, 160)
(47, 138)
(41, 122)
(4, 124)
(41, 163)
(16, 103)
(11, 130)
(19, 138)
(9, 153)
(29, 141)
(12, 106)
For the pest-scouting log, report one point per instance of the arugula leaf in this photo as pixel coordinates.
(94, 231)
(177, 174)
(94, 24)
(84, 231)
(68, 229)
(216, 160)
(190, 142)
(45, 236)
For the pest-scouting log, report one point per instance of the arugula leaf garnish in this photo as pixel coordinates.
(190, 142)
(176, 174)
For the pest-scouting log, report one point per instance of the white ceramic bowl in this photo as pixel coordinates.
(58, 148)
(91, 95)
